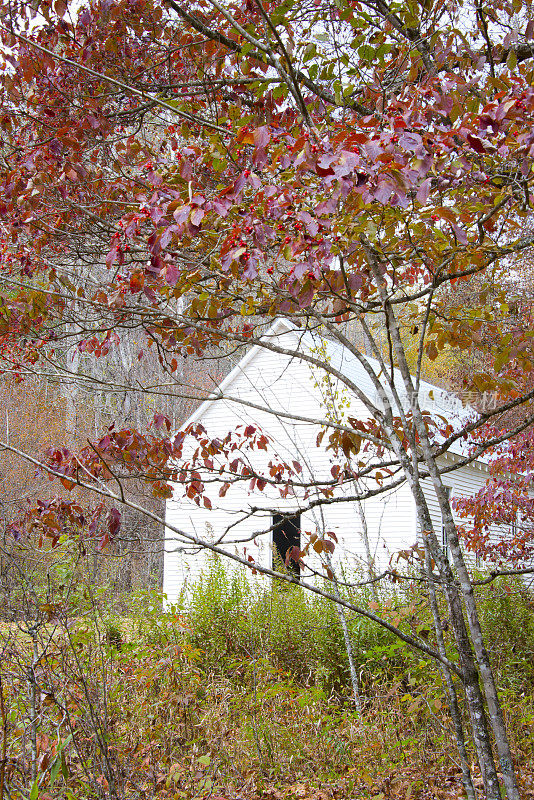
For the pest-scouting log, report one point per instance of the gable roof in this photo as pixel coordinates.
(432, 398)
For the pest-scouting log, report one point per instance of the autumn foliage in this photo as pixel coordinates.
(174, 178)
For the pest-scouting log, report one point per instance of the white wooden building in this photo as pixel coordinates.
(279, 394)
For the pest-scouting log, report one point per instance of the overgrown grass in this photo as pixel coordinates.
(297, 632)
(244, 691)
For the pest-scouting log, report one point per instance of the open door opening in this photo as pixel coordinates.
(286, 534)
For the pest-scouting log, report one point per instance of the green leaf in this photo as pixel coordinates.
(205, 760)
(309, 52)
(54, 770)
(366, 52)
(64, 768)
(34, 792)
(455, 112)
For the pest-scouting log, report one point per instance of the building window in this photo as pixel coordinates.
(286, 534)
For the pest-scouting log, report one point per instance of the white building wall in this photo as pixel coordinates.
(390, 523)
(281, 385)
(464, 482)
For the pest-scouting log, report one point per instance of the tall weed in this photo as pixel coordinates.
(297, 632)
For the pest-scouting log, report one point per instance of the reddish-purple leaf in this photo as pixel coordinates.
(476, 143)
(424, 191)
(262, 136)
(197, 215)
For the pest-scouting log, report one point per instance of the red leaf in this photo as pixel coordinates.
(292, 554)
(114, 522)
(476, 143)
(262, 136)
(137, 281)
(112, 256)
(161, 420)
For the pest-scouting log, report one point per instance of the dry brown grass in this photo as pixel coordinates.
(150, 719)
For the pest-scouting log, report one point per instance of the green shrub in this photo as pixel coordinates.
(298, 633)
(506, 610)
(114, 636)
(239, 627)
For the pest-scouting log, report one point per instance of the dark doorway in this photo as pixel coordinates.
(286, 534)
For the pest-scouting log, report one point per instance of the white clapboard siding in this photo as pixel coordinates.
(274, 384)
(465, 481)
(277, 384)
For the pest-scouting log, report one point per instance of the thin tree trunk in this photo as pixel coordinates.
(3, 754)
(409, 465)
(495, 711)
(447, 678)
(488, 681)
(470, 680)
(32, 691)
(346, 636)
(490, 690)
(496, 716)
(70, 392)
(365, 537)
